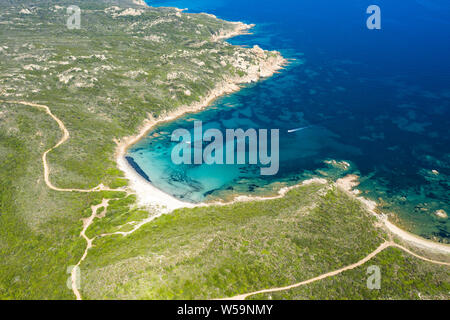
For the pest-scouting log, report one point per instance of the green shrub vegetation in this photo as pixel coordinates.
(103, 81)
(402, 277)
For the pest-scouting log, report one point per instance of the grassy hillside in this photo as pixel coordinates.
(220, 251)
(223, 251)
(40, 227)
(102, 81)
(402, 277)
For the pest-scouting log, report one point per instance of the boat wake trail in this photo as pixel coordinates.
(299, 129)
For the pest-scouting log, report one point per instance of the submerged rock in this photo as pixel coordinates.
(441, 214)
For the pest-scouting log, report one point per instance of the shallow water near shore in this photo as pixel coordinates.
(377, 99)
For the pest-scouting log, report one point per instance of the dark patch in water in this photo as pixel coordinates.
(206, 194)
(137, 168)
(442, 233)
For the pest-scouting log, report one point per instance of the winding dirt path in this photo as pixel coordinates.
(86, 224)
(381, 248)
(419, 256)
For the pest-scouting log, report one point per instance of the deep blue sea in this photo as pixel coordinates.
(378, 99)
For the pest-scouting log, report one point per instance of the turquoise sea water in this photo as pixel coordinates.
(378, 99)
